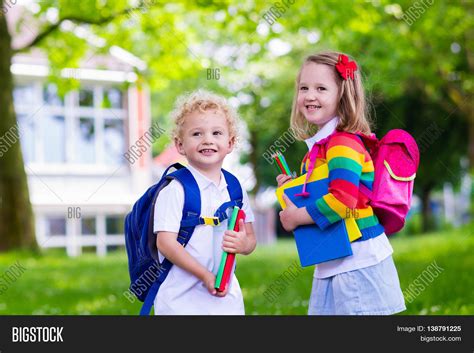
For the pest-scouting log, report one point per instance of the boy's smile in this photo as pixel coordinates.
(208, 151)
(205, 140)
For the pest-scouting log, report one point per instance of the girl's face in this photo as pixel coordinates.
(318, 93)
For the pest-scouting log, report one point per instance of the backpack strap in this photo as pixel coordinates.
(192, 200)
(235, 194)
(371, 144)
(191, 209)
(164, 180)
(236, 199)
(234, 188)
(176, 166)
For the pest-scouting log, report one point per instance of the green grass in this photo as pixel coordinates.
(55, 284)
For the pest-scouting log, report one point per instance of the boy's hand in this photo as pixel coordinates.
(209, 281)
(282, 179)
(221, 294)
(237, 242)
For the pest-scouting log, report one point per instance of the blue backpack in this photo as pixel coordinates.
(146, 272)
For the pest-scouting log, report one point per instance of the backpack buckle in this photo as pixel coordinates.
(211, 221)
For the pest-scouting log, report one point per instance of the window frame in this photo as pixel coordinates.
(71, 111)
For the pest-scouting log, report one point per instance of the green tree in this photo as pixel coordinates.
(395, 43)
(118, 23)
(417, 63)
(437, 131)
(16, 216)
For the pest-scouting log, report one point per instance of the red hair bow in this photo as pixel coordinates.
(345, 67)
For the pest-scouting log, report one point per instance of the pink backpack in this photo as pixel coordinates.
(396, 158)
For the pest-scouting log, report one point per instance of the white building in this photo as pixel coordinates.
(80, 184)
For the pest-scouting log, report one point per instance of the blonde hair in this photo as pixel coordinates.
(202, 101)
(352, 108)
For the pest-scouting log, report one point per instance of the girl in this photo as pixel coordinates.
(329, 99)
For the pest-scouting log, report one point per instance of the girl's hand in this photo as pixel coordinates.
(237, 242)
(282, 179)
(292, 216)
(288, 217)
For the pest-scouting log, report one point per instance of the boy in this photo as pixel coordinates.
(205, 132)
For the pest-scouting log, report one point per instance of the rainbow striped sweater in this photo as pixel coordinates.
(349, 164)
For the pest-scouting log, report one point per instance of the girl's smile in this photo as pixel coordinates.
(318, 93)
(312, 108)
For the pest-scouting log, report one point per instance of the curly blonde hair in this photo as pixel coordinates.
(352, 108)
(203, 100)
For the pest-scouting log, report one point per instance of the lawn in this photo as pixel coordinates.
(54, 284)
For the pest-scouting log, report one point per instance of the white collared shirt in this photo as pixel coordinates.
(324, 132)
(364, 253)
(182, 293)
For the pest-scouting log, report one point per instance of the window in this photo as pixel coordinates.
(114, 225)
(114, 141)
(54, 137)
(86, 98)
(24, 94)
(84, 127)
(85, 143)
(55, 226)
(112, 98)
(112, 248)
(88, 225)
(51, 95)
(27, 137)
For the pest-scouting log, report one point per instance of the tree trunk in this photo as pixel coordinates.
(471, 143)
(426, 211)
(468, 106)
(253, 159)
(16, 214)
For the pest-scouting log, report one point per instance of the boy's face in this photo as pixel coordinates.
(205, 139)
